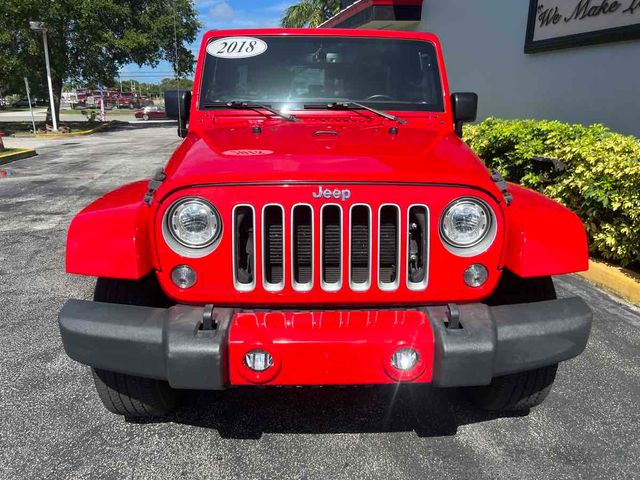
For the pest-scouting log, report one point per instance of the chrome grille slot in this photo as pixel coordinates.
(244, 240)
(331, 247)
(417, 246)
(388, 247)
(302, 247)
(360, 247)
(273, 247)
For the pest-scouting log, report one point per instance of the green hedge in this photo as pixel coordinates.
(601, 183)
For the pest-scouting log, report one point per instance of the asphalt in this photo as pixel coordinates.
(52, 424)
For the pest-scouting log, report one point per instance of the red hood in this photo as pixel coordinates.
(304, 152)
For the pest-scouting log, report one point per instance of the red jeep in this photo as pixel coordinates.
(322, 223)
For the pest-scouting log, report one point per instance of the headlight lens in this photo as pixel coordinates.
(194, 223)
(465, 222)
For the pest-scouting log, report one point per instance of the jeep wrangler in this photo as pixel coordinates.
(322, 223)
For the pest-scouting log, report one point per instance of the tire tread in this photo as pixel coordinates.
(523, 390)
(129, 395)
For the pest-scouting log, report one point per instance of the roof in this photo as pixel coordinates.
(378, 14)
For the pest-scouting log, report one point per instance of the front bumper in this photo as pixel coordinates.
(203, 347)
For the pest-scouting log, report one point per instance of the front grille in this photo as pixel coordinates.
(273, 250)
(302, 247)
(389, 245)
(360, 247)
(346, 239)
(243, 247)
(331, 235)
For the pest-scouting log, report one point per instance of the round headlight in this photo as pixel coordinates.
(465, 222)
(194, 223)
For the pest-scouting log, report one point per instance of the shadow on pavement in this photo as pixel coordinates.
(247, 413)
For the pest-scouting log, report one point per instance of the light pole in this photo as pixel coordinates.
(40, 27)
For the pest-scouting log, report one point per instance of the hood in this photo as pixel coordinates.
(324, 153)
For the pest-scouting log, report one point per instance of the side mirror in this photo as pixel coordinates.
(465, 109)
(177, 104)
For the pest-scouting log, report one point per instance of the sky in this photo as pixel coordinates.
(217, 14)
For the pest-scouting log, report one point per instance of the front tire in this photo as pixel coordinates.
(145, 117)
(134, 397)
(126, 394)
(523, 390)
(518, 391)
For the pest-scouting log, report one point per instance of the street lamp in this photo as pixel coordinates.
(40, 27)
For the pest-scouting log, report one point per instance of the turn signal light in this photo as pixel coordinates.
(183, 276)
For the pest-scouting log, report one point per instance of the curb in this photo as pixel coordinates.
(619, 281)
(79, 133)
(19, 155)
(102, 126)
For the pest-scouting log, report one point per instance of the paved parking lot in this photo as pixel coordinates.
(53, 426)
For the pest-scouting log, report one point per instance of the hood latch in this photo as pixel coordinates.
(154, 184)
(502, 185)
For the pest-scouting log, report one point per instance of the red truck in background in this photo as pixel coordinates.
(113, 98)
(323, 223)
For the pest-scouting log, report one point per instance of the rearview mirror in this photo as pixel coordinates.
(465, 109)
(177, 104)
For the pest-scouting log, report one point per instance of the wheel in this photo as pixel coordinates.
(145, 117)
(126, 394)
(144, 292)
(513, 289)
(134, 396)
(523, 390)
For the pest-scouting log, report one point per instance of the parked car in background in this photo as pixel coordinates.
(23, 102)
(150, 112)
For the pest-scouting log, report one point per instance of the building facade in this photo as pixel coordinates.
(576, 61)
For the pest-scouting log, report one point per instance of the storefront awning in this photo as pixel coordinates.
(378, 14)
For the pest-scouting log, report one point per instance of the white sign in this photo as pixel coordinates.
(562, 23)
(236, 47)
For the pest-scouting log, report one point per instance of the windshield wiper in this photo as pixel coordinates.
(351, 105)
(245, 105)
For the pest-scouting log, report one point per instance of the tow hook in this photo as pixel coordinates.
(453, 315)
(209, 321)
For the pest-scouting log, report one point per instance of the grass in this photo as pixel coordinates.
(20, 109)
(9, 151)
(26, 129)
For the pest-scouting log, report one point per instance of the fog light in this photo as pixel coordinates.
(476, 275)
(404, 359)
(183, 276)
(258, 360)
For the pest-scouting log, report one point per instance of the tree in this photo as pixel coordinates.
(309, 13)
(175, 83)
(90, 40)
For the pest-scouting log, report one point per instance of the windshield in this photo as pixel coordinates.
(290, 72)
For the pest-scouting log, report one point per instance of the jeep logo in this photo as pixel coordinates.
(343, 194)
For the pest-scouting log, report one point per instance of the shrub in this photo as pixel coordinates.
(601, 183)
(90, 114)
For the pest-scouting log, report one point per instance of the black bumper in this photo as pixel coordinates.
(166, 344)
(172, 345)
(495, 341)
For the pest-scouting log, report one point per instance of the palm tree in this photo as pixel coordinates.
(309, 13)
